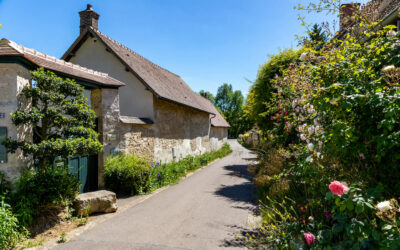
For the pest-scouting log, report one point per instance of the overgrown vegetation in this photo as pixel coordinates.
(10, 230)
(129, 174)
(57, 112)
(60, 118)
(36, 194)
(230, 103)
(38, 190)
(330, 126)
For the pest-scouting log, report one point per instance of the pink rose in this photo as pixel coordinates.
(310, 238)
(338, 188)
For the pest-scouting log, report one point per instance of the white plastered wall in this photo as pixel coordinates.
(13, 78)
(135, 100)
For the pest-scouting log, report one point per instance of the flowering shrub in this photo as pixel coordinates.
(333, 115)
(338, 188)
(309, 237)
(343, 220)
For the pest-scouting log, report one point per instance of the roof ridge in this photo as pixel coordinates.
(21, 49)
(125, 47)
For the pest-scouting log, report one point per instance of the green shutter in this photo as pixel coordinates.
(3, 151)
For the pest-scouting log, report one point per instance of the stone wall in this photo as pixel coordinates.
(13, 78)
(105, 103)
(177, 131)
(179, 128)
(218, 136)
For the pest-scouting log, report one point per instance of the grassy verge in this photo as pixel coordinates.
(170, 173)
(129, 174)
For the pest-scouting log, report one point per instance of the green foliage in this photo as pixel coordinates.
(350, 221)
(362, 98)
(208, 95)
(38, 189)
(316, 38)
(231, 104)
(127, 174)
(261, 91)
(165, 174)
(334, 114)
(62, 122)
(10, 231)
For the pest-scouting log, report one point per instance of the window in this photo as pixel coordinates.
(3, 151)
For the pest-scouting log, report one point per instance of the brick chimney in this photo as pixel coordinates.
(89, 18)
(346, 12)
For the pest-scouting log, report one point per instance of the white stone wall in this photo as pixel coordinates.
(13, 78)
(105, 103)
(218, 136)
(134, 100)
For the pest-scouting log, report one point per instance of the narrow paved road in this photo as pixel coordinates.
(205, 211)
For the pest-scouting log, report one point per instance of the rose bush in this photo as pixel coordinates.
(333, 115)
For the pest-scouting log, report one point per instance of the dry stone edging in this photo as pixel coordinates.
(102, 201)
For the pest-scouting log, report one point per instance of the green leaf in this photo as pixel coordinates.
(337, 228)
(349, 204)
(375, 235)
(369, 205)
(387, 227)
(337, 201)
(359, 208)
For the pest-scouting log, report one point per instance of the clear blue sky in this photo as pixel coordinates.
(206, 42)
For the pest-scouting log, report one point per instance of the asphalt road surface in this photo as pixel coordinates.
(204, 211)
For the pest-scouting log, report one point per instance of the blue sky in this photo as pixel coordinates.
(206, 42)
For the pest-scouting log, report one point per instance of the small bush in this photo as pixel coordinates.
(127, 174)
(10, 231)
(38, 189)
(165, 174)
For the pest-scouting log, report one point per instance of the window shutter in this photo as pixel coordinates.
(3, 151)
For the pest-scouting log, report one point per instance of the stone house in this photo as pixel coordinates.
(16, 62)
(385, 12)
(219, 127)
(160, 116)
(142, 108)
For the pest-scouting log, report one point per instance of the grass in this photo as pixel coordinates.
(130, 175)
(170, 173)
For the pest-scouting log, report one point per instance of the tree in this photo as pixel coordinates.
(60, 118)
(208, 95)
(263, 88)
(231, 105)
(316, 38)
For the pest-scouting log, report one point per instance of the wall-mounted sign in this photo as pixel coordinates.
(2, 115)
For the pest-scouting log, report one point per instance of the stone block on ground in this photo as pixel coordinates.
(96, 202)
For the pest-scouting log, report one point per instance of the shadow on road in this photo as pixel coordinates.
(237, 240)
(243, 192)
(239, 193)
(239, 171)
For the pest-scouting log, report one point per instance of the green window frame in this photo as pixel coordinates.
(3, 150)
